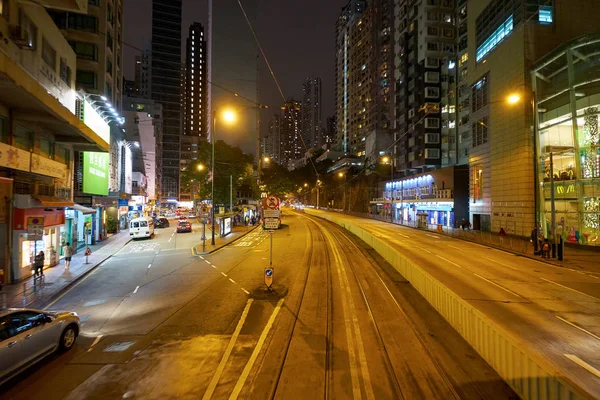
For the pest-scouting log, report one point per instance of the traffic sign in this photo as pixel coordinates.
(271, 223)
(269, 276)
(35, 228)
(272, 202)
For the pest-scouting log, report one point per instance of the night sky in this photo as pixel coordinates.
(297, 36)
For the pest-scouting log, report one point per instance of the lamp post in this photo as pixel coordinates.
(228, 116)
(343, 175)
(385, 160)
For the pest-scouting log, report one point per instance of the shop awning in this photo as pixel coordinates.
(83, 209)
(49, 201)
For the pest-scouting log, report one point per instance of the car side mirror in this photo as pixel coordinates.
(47, 319)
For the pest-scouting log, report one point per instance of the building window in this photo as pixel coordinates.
(82, 22)
(109, 41)
(432, 31)
(4, 7)
(29, 27)
(23, 138)
(86, 79)
(432, 123)
(477, 183)
(108, 91)
(65, 72)
(3, 130)
(545, 15)
(109, 68)
(48, 54)
(45, 147)
(433, 46)
(85, 51)
(432, 62)
(480, 94)
(94, 2)
(432, 153)
(495, 39)
(480, 132)
(432, 138)
(432, 77)
(432, 92)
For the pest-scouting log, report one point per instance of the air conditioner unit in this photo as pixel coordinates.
(20, 37)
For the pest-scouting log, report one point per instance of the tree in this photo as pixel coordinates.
(230, 161)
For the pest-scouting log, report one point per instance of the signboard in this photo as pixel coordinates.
(271, 223)
(93, 120)
(268, 213)
(221, 210)
(272, 202)
(35, 228)
(14, 158)
(95, 173)
(269, 276)
(45, 166)
(226, 226)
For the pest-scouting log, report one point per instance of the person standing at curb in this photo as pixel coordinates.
(39, 264)
(68, 250)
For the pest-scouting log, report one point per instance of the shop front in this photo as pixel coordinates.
(24, 249)
(82, 226)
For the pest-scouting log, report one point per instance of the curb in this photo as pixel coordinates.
(195, 251)
(47, 302)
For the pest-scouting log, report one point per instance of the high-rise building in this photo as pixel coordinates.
(311, 113)
(272, 142)
(143, 76)
(233, 56)
(329, 131)
(344, 28)
(196, 119)
(130, 88)
(364, 78)
(166, 87)
(291, 147)
(506, 39)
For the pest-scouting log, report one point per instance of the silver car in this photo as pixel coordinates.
(27, 336)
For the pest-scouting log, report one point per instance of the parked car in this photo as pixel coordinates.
(161, 222)
(27, 336)
(184, 226)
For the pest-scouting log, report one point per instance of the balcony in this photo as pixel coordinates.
(78, 6)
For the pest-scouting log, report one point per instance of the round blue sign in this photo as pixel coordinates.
(268, 272)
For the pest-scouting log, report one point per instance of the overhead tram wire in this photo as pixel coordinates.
(275, 79)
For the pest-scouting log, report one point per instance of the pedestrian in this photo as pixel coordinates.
(534, 240)
(253, 221)
(39, 264)
(546, 249)
(246, 219)
(68, 251)
(502, 234)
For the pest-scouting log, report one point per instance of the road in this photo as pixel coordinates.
(159, 322)
(553, 310)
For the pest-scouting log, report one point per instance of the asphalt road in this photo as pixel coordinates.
(160, 323)
(552, 310)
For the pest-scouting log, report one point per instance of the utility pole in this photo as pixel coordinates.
(230, 193)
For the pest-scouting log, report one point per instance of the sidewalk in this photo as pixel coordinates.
(40, 292)
(585, 260)
(237, 232)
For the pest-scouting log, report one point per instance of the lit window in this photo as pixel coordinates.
(495, 38)
(545, 15)
(451, 65)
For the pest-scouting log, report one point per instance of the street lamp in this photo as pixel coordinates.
(200, 167)
(343, 175)
(266, 159)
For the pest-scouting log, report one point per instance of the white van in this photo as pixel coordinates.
(142, 227)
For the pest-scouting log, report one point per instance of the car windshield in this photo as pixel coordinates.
(135, 225)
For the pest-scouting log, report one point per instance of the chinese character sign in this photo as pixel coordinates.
(95, 173)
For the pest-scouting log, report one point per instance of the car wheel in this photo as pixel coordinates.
(67, 339)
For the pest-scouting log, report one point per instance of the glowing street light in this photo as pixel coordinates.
(341, 174)
(306, 185)
(513, 98)
(229, 116)
(386, 159)
(266, 159)
(200, 167)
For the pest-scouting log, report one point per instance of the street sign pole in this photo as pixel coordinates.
(271, 250)
(204, 237)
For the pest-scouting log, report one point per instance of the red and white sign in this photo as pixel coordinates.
(273, 202)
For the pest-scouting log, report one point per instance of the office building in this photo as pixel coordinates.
(507, 38)
(143, 76)
(234, 58)
(272, 142)
(311, 113)
(290, 143)
(129, 88)
(195, 122)
(329, 131)
(166, 87)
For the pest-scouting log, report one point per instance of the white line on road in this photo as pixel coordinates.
(217, 376)
(245, 291)
(424, 249)
(214, 266)
(433, 236)
(136, 289)
(498, 262)
(583, 364)
(224, 274)
(568, 288)
(451, 262)
(403, 235)
(170, 239)
(206, 261)
(149, 265)
(495, 284)
(454, 247)
(577, 327)
(240, 383)
(95, 343)
(201, 257)
(231, 280)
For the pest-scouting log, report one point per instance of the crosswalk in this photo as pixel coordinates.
(252, 239)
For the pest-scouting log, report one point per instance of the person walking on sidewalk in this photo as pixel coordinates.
(534, 239)
(68, 250)
(546, 249)
(502, 234)
(38, 264)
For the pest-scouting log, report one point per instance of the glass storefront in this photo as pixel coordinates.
(50, 245)
(568, 142)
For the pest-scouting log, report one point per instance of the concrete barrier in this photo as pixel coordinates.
(527, 373)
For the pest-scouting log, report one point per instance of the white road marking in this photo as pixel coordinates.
(433, 236)
(201, 257)
(206, 261)
(231, 280)
(495, 284)
(451, 262)
(214, 266)
(263, 336)
(403, 235)
(578, 327)
(170, 239)
(454, 247)
(217, 376)
(498, 262)
(568, 288)
(136, 289)
(224, 274)
(245, 291)
(149, 265)
(94, 343)
(583, 364)
(424, 249)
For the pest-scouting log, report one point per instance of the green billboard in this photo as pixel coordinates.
(95, 173)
